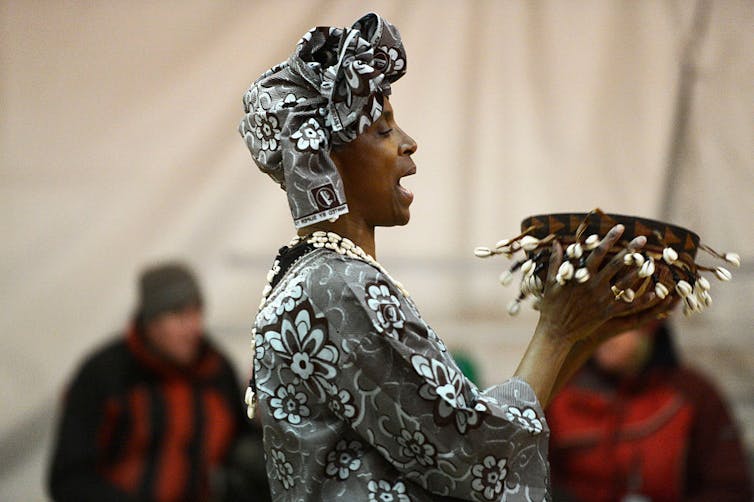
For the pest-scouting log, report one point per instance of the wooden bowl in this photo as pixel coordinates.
(659, 234)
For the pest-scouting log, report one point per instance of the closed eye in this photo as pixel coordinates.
(386, 132)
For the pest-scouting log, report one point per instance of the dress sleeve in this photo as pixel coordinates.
(413, 404)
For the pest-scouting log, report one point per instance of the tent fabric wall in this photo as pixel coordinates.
(118, 147)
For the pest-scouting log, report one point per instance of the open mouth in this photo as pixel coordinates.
(407, 194)
(405, 191)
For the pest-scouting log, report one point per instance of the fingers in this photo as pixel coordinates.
(640, 304)
(598, 254)
(632, 294)
(648, 308)
(616, 263)
(653, 309)
(624, 289)
(631, 283)
(661, 310)
(556, 258)
(628, 280)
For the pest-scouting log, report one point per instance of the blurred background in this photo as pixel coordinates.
(118, 147)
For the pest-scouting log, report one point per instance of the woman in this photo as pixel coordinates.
(358, 397)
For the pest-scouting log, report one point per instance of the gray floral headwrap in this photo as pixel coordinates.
(328, 92)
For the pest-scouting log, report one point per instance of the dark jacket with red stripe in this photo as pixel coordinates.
(666, 435)
(136, 428)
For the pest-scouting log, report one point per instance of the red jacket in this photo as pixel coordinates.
(135, 427)
(666, 436)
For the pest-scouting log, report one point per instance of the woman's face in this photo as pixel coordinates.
(372, 166)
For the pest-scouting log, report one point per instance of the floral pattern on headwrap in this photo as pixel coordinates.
(327, 93)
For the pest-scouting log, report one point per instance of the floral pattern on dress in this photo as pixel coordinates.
(489, 477)
(286, 301)
(431, 335)
(281, 468)
(527, 418)
(414, 445)
(310, 136)
(289, 404)
(444, 386)
(387, 308)
(341, 403)
(344, 459)
(259, 349)
(384, 491)
(405, 403)
(302, 344)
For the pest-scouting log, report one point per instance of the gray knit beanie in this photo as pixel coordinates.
(167, 287)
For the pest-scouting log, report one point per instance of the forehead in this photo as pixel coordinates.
(387, 110)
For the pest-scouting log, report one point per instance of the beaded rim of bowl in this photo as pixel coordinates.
(659, 232)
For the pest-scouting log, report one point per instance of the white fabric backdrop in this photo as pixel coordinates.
(118, 147)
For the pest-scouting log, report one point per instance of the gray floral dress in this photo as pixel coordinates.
(360, 399)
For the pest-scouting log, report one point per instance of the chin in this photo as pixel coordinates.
(402, 214)
(400, 219)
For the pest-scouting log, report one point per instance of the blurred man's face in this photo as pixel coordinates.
(625, 354)
(177, 335)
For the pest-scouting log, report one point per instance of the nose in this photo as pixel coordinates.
(408, 145)
(193, 321)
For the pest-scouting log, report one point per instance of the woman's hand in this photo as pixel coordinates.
(573, 311)
(576, 317)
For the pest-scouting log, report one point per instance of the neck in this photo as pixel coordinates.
(347, 226)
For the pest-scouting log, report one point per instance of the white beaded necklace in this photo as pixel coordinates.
(318, 239)
(346, 247)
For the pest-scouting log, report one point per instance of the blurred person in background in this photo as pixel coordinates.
(635, 424)
(156, 415)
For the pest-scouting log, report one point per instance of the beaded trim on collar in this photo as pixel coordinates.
(346, 247)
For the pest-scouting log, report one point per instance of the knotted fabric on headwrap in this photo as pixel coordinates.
(328, 92)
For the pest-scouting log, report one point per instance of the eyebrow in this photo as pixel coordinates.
(388, 115)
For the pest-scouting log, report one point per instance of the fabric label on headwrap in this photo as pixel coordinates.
(325, 197)
(333, 212)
